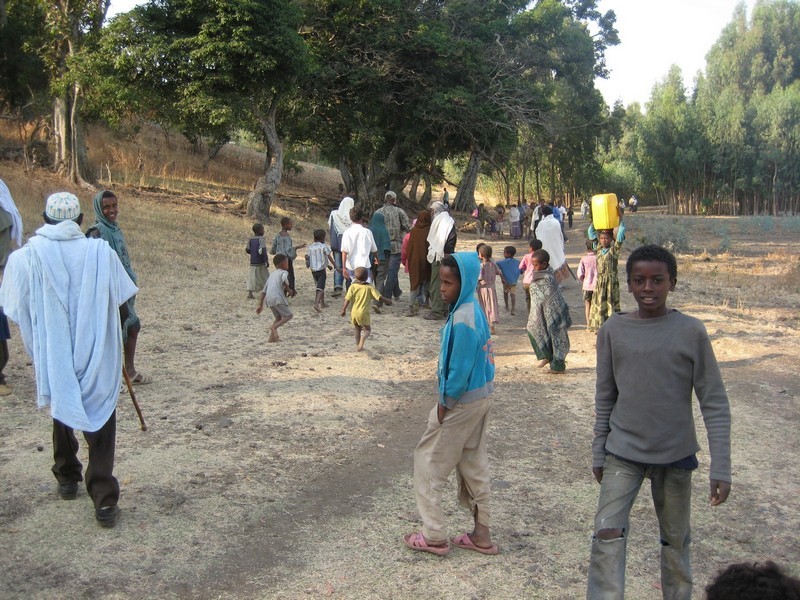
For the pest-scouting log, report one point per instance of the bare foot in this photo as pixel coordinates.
(543, 363)
(273, 336)
(317, 308)
(364, 336)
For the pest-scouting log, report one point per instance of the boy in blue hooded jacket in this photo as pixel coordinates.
(456, 433)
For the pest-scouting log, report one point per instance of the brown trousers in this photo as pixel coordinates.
(458, 443)
(101, 485)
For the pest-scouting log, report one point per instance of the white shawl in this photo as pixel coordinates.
(64, 292)
(549, 233)
(7, 204)
(341, 217)
(440, 229)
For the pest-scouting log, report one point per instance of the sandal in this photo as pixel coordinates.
(416, 541)
(464, 542)
(140, 378)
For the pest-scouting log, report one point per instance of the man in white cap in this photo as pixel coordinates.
(66, 292)
(398, 224)
(10, 229)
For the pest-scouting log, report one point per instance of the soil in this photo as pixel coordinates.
(284, 470)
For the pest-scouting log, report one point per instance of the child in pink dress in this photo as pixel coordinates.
(487, 294)
(587, 274)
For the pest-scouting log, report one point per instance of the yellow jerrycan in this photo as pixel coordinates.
(605, 211)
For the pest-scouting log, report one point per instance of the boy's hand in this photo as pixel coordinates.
(259, 310)
(344, 312)
(719, 492)
(440, 410)
(598, 473)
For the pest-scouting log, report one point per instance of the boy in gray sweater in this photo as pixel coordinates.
(648, 363)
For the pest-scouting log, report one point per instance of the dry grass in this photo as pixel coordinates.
(283, 470)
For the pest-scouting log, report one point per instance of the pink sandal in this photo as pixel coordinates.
(416, 541)
(464, 542)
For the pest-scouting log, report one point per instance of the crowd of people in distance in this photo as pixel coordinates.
(55, 286)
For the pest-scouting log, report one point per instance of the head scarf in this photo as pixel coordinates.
(7, 204)
(382, 240)
(110, 232)
(441, 226)
(341, 217)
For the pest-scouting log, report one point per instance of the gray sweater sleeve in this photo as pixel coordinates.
(714, 406)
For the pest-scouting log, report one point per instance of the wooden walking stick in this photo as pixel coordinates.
(133, 397)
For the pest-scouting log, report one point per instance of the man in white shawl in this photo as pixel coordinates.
(10, 228)
(442, 238)
(65, 292)
(550, 234)
(338, 222)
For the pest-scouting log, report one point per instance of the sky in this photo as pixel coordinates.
(654, 35)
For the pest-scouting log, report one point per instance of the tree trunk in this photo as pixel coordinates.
(465, 197)
(552, 179)
(79, 161)
(414, 186)
(262, 196)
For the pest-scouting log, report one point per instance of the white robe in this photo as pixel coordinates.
(549, 233)
(64, 292)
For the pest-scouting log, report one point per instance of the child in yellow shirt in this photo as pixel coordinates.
(359, 294)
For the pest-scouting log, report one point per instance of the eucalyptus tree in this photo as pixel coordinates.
(71, 27)
(212, 66)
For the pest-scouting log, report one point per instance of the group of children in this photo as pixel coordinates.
(277, 287)
(637, 434)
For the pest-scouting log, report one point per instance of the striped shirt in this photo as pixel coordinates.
(318, 256)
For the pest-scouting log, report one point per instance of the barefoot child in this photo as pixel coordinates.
(487, 293)
(275, 292)
(259, 270)
(549, 318)
(319, 256)
(360, 294)
(648, 364)
(509, 267)
(282, 244)
(456, 433)
(526, 268)
(587, 274)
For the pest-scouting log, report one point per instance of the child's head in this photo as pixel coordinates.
(485, 252)
(109, 206)
(540, 260)
(450, 280)
(653, 253)
(357, 215)
(605, 237)
(535, 245)
(286, 223)
(745, 581)
(319, 235)
(281, 261)
(547, 210)
(589, 245)
(478, 248)
(360, 274)
(258, 229)
(652, 273)
(509, 251)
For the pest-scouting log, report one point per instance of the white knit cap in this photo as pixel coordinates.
(62, 206)
(391, 195)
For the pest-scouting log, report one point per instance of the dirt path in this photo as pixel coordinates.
(284, 470)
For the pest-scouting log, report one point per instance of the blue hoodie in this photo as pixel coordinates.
(466, 360)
